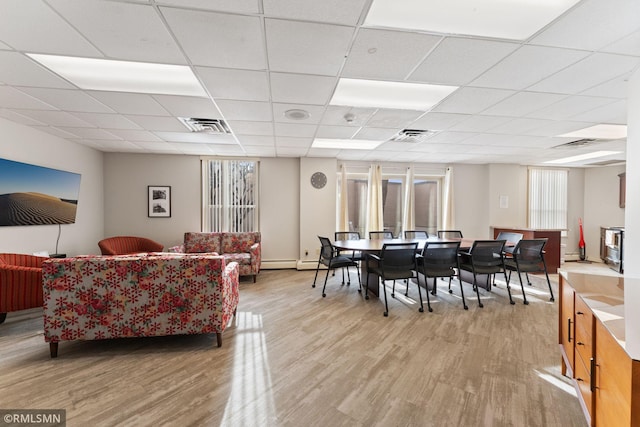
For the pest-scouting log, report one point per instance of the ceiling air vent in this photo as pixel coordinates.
(218, 126)
(412, 135)
(577, 143)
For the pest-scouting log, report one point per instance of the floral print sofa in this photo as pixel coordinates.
(94, 297)
(243, 248)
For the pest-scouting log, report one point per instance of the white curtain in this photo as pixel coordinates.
(447, 200)
(374, 200)
(343, 215)
(409, 211)
(548, 198)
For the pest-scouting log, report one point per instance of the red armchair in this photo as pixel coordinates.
(123, 245)
(20, 283)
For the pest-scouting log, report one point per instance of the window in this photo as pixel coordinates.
(230, 195)
(427, 204)
(548, 198)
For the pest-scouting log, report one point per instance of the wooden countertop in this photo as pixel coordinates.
(604, 295)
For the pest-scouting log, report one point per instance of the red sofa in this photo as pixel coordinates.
(20, 283)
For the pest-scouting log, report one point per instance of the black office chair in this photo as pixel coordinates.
(354, 255)
(381, 234)
(528, 257)
(449, 234)
(330, 259)
(396, 261)
(440, 260)
(511, 238)
(416, 234)
(485, 257)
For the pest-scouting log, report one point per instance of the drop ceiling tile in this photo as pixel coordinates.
(107, 121)
(260, 151)
(457, 61)
(614, 88)
(199, 137)
(558, 128)
(629, 45)
(218, 39)
(613, 113)
(19, 70)
(323, 152)
(302, 47)
(592, 71)
(479, 123)
(56, 118)
(570, 106)
(155, 147)
(193, 149)
(335, 115)
(91, 133)
(245, 110)
(291, 152)
(332, 11)
(159, 123)
(68, 100)
(388, 118)
(234, 6)
(523, 103)
(352, 155)
(56, 132)
(256, 140)
(519, 126)
(449, 137)
(591, 25)
(13, 98)
(251, 128)
(188, 106)
(384, 54)
(22, 26)
(487, 139)
(438, 121)
(528, 65)
(130, 103)
(471, 100)
(225, 83)
(15, 116)
(226, 150)
(315, 113)
(122, 30)
(301, 89)
(135, 135)
(291, 142)
(375, 134)
(335, 132)
(294, 130)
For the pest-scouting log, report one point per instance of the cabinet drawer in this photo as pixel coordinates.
(584, 317)
(583, 379)
(584, 344)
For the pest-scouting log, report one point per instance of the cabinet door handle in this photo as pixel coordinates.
(579, 312)
(579, 343)
(569, 328)
(592, 382)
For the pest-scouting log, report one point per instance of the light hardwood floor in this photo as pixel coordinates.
(293, 358)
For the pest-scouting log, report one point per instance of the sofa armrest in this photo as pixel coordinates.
(255, 252)
(178, 249)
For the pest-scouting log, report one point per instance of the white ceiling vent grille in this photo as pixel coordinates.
(412, 135)
(578, 143)
(217, 126)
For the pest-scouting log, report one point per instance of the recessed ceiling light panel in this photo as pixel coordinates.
(599, 132)
(512, 19)
(346, 144)
(123, 76)
(385, 94)
(581, 157)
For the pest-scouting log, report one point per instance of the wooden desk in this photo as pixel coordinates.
(551, 249)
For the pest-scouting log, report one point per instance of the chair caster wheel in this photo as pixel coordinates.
(552, 299)
(385, 314)
(324, 295)
(366, 297)
(421, 310)
(359, 290)
(450, 291)
(512, 302)
(526, 303)
(433, 293)
(466, 307)
(430, 310)
(313, 286)
(481, 305)
(393, 295)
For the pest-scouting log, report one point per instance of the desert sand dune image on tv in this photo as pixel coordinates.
(35, 195)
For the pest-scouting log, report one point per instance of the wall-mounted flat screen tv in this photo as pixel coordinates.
(35, 195)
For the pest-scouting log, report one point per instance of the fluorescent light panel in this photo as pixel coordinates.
(346, 144)
(512, 19)
(580, 157)
(123, 76)
(384, 94)
(599, 132)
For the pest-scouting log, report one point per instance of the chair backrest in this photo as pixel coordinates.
(450, 234)
(510, 237)
(326, 252)
(124, 245)
(529, 251)
(346, 235)
(380, 235)
(416, 234)
(399, 257)
(438, 256)
(487, 253)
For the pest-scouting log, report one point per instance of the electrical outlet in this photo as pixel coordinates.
(306, 252)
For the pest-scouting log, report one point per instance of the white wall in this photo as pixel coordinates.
(28, 145)
(471, 199)
(508, 181)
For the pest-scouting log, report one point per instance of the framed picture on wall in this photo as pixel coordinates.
(159, 198)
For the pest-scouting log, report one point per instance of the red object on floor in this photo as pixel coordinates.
(581, 244)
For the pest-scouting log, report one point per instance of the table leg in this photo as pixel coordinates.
(372, 281)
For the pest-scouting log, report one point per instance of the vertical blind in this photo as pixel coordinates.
(230, 195)
(548, 198)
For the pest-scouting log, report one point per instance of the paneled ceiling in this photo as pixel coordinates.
(258, 59)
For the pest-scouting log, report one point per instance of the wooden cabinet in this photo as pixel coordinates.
(606, 378)
(551, 249)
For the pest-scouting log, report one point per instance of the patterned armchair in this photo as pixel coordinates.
(124, 245)
(20, 283)
(243, 248)
(97, 297)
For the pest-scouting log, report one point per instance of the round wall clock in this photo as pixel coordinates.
(318, 180)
